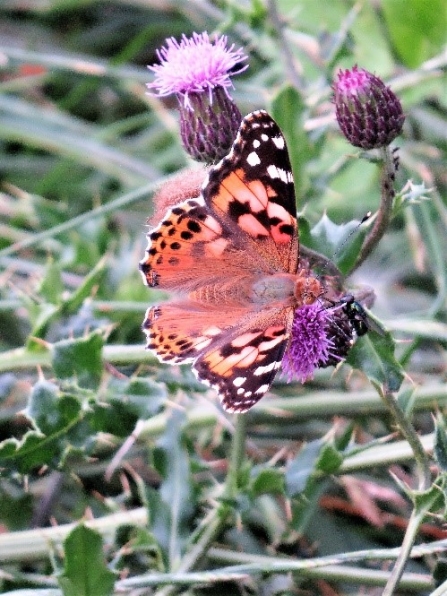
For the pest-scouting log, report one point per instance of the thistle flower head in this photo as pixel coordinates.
(195, 65)
(310, 345)
(198, 72)
(369, 114)
(340, 332)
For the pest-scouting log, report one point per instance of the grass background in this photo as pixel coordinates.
(95, 429)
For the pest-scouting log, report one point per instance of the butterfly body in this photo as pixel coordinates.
(230, 256)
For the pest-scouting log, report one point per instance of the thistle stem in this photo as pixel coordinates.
(237, 456)
(219, 517)
(404, 554)
(407, 430)
(385, 209)
(423, 470)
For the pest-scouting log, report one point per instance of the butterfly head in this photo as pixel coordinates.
(307, 288)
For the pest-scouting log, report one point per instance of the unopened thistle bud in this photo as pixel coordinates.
(198, 72)
(369, 114)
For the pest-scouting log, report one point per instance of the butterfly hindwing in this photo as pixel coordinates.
(243, 369)
(237, 352)
(180, 331)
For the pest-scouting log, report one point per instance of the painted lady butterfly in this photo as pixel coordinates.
(231, 256)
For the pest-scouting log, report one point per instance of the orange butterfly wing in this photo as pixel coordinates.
(213, 250)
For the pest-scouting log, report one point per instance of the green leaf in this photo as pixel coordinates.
(127, 401)
(440, 448)
(175, 503)
(79, 359)
(41, 316)
(51, 286)
(288, 111)
(85, 570)
(343, 440)
(62, 425)
(267, 480)
(330, 459)
(17, 506)
(142, 542)
(49, 409)
(43, 313)
(373, 354)
(417, 28)
(301, 468)
(431, 500)
(406, 399)
(72, 304)
(305, 504)
(340, 243)
(25, 455)
(159, 520)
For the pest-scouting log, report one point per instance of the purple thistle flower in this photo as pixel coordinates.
(198, 72)
(310, 345)
(195, 65)
(369, 114)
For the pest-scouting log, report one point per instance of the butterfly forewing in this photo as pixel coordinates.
(253, 187)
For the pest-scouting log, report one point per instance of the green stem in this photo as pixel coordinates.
(124, 201)
(385, 209)
(414, 523)
(289, 61)
(357, 575)
(85, 66)
(437, 258)
(408, 432)
(440, 590)
(236, 457)
(423, 471)
(218, 518)
(98, 306)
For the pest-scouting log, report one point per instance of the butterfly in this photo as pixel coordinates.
(231, 258)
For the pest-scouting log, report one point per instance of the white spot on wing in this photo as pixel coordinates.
(213, 330)
(265, 369)
(253, 159)
(283, 175)
(279, 142)
(262, 389)
(238, 381)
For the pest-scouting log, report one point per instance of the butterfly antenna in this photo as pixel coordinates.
(325, 264)
(364, 219)
(352, 308)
